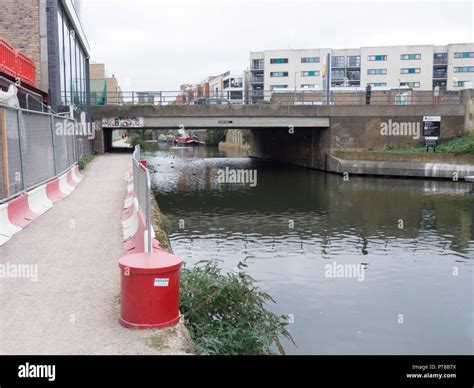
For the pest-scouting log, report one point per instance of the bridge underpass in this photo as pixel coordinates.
(318, 130)
(204, 117)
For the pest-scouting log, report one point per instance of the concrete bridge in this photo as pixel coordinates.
(218, 116)
(318, 130)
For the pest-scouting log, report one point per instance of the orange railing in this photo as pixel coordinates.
(16, 64)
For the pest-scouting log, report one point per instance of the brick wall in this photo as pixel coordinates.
(20, 26)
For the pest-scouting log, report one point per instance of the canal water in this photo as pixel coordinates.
(362, 266)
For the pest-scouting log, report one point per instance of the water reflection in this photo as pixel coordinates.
(408, 235)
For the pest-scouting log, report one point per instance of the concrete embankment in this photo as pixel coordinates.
(418, 165)
(159, 225)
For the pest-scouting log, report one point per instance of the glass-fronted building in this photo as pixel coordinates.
(68, 57)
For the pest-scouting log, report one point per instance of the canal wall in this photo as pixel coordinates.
(159, 225)
(403, 165)
(358, 128)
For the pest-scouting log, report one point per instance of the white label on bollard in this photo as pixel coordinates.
(161, 282)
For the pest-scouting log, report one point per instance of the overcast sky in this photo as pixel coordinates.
(158, 45)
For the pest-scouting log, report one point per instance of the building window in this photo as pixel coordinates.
(278, 60)
(353, 75)
(73, 77)
(257, 64)
(379, 84)
(377, 58)
(338, 61)
(410, 57)
(410, 84)
(353, 61)
(461, 83)
(464, 55)
(310, 60)
(273, 87)
(464, 69)
(279, 74)
(377, 71)
(308, 86)
(338, 74)
(310, 73)
(410, 70)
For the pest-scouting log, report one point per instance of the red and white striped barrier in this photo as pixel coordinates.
(53, 191)
(130, 220)
(38, 200)
(74, 177)
(135, 233)
(19, 212)
(7, 229)
(64, 185)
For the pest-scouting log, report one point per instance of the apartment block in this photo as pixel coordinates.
(104, 89)
(231, 86)
(417, 67)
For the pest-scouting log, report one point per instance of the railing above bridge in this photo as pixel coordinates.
(283, 97)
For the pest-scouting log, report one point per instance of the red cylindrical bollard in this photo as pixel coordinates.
(150, 290)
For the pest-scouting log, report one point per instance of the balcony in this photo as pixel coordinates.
(256, 80)
(440, 60)
(257, 66)
(440, 74)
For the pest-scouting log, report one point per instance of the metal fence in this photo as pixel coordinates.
(142, 190)
(35, 147)
(286, 96)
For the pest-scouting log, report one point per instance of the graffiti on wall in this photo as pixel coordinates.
(122, 122)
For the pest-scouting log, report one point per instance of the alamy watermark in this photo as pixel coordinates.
(346, 271)
(396, 128)
(242, 176)
(18, 271)
(68, 127)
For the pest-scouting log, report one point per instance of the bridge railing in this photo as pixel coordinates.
(283, 97)
(142, 191)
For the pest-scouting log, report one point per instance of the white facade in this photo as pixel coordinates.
(235, 86)
(419, 67)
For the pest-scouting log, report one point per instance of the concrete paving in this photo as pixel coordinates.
(73, 306)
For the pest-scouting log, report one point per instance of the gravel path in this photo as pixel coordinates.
(73, 307)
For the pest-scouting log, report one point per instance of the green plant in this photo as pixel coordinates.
(138, 138)
(82, 163)
(247, 136)
(460, 145)
(215, 136)
(167, 224)
(226, 313)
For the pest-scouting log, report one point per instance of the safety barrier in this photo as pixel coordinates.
(16, 64)
(7, 58)
(138, 233)
(149, 296)
(21, 211)
(35, 148)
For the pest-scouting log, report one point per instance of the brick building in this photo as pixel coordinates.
(51, 34)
